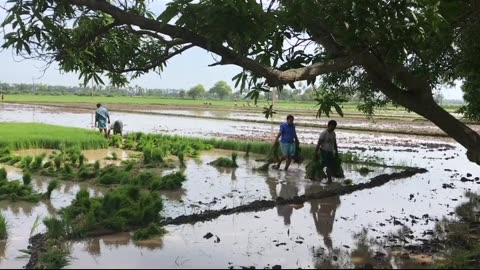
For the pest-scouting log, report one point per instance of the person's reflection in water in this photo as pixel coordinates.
(92, 246)
(286, 211)
(323, 212)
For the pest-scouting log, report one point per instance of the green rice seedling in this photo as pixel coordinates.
(263, 168)
(338, 173)
(56, 228)
(181, 158)
(247, 150)
(35, 225)
(27, 178)
(26, 162)
(3, 174)
(96, 166)
(364, 171)
(37, 162)
(153, 155)
(121, 208)
(348, 182)
(81, 160)
(58, 162)
(14, 160)
(5, 151)
(113, 175)
(148, 232)
(5, 155)
(3, 227)
(129, 165)
(234, 158)
(48, 164)
(51, 187)
(314, 170)
(144, 179)
(55, 257)
(16, 190)
(169, 182)
(49, 172)
(226, 162)
(116, 141)
(36, 135)
(67, 169)
(86, 172)
(114, 156)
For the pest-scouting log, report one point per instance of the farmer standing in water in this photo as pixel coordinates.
(327, 144)
(101, 119)
(288, 142)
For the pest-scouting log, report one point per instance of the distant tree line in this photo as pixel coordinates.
(221, 90)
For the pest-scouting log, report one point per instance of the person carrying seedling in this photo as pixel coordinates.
(101, 118)
(288, 142)
(327, 144)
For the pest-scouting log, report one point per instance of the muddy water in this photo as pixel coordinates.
(189, 126)
(325, 228)
(21, 216)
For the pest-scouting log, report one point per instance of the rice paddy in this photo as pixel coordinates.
(34, 135)
(131, 198)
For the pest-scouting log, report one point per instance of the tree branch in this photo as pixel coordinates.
(169, 43)
(274, 77)
(152, 65)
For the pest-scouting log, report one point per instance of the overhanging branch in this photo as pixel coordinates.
(274, 77)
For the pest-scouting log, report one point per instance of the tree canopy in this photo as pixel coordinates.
(196, 91)
(395, 51)
(221, 89)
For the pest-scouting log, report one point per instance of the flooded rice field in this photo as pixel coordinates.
(335, 232)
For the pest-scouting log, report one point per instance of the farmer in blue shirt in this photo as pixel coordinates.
(101, 119)
(288, 142)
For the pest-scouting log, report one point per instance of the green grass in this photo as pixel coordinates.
(35, 135)
(125, 207)
(3, 227)
(226, 162)
(55, 257)
(281, 104)
(148, 232)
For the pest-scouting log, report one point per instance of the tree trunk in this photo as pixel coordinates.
(420, 100)
(452, 126)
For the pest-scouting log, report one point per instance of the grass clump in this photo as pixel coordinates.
(169, 182)
(3, 174)
(27, 178)
(153, 155)
(364, 171)
(55, 257)
(111, 175)
(150, 181)
(3, 227)
(17, 191)
(123, 208)
(51, 187)
(226, 162)
(148, 232)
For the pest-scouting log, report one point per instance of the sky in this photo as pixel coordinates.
(182, 72)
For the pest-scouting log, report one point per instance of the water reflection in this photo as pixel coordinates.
(95, 245)
(323, 213)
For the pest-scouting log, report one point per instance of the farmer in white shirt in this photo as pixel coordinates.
(327, 144)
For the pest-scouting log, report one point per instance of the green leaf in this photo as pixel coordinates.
(8, 20)
(338, 109)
